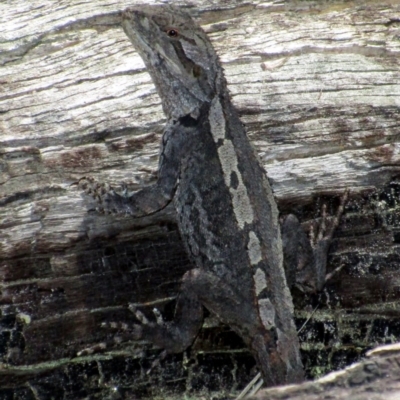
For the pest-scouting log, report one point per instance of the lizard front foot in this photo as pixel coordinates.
(129, 332)
(108, 200)
(124, 333)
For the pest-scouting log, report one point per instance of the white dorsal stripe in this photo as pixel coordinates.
(217, 120)
(267, 313)
(229, 162)
(254, 249)
(260, 281)
(240, 200)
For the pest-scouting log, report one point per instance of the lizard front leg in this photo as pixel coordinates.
(178, 335)
(152, 198)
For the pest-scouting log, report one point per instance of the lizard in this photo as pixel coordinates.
(226, 211)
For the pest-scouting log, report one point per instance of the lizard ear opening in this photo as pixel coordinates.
(172, 32)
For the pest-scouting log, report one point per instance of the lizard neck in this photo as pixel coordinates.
(181, 102)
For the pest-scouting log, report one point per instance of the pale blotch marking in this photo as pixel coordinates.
(217, 120)
(267, 313)
(260, 281)
(254, 249)
(240, 200)
(229, 162)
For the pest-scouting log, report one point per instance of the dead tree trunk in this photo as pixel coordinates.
(318, 88)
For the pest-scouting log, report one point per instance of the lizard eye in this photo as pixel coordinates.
(172, 32)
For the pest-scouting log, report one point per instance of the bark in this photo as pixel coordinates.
(375, 378)
(317, 86)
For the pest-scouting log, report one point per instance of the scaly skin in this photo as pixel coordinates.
(226, 211)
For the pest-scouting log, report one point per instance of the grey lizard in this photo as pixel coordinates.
(226, 211)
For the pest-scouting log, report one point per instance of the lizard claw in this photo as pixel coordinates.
(157, 361)
(138, 314)
(159, 318)
(102, 193)
(126, 332)
(141, 317)
(109, 200)
(94, 188)
(98, 348)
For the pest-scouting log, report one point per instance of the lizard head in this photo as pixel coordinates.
(177, 54)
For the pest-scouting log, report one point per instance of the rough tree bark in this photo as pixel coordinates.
(318, 87)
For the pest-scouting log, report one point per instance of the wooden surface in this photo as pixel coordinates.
(375, 378)
(318, 87)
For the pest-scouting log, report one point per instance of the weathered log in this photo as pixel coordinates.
(318, 88)
(375, 378)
